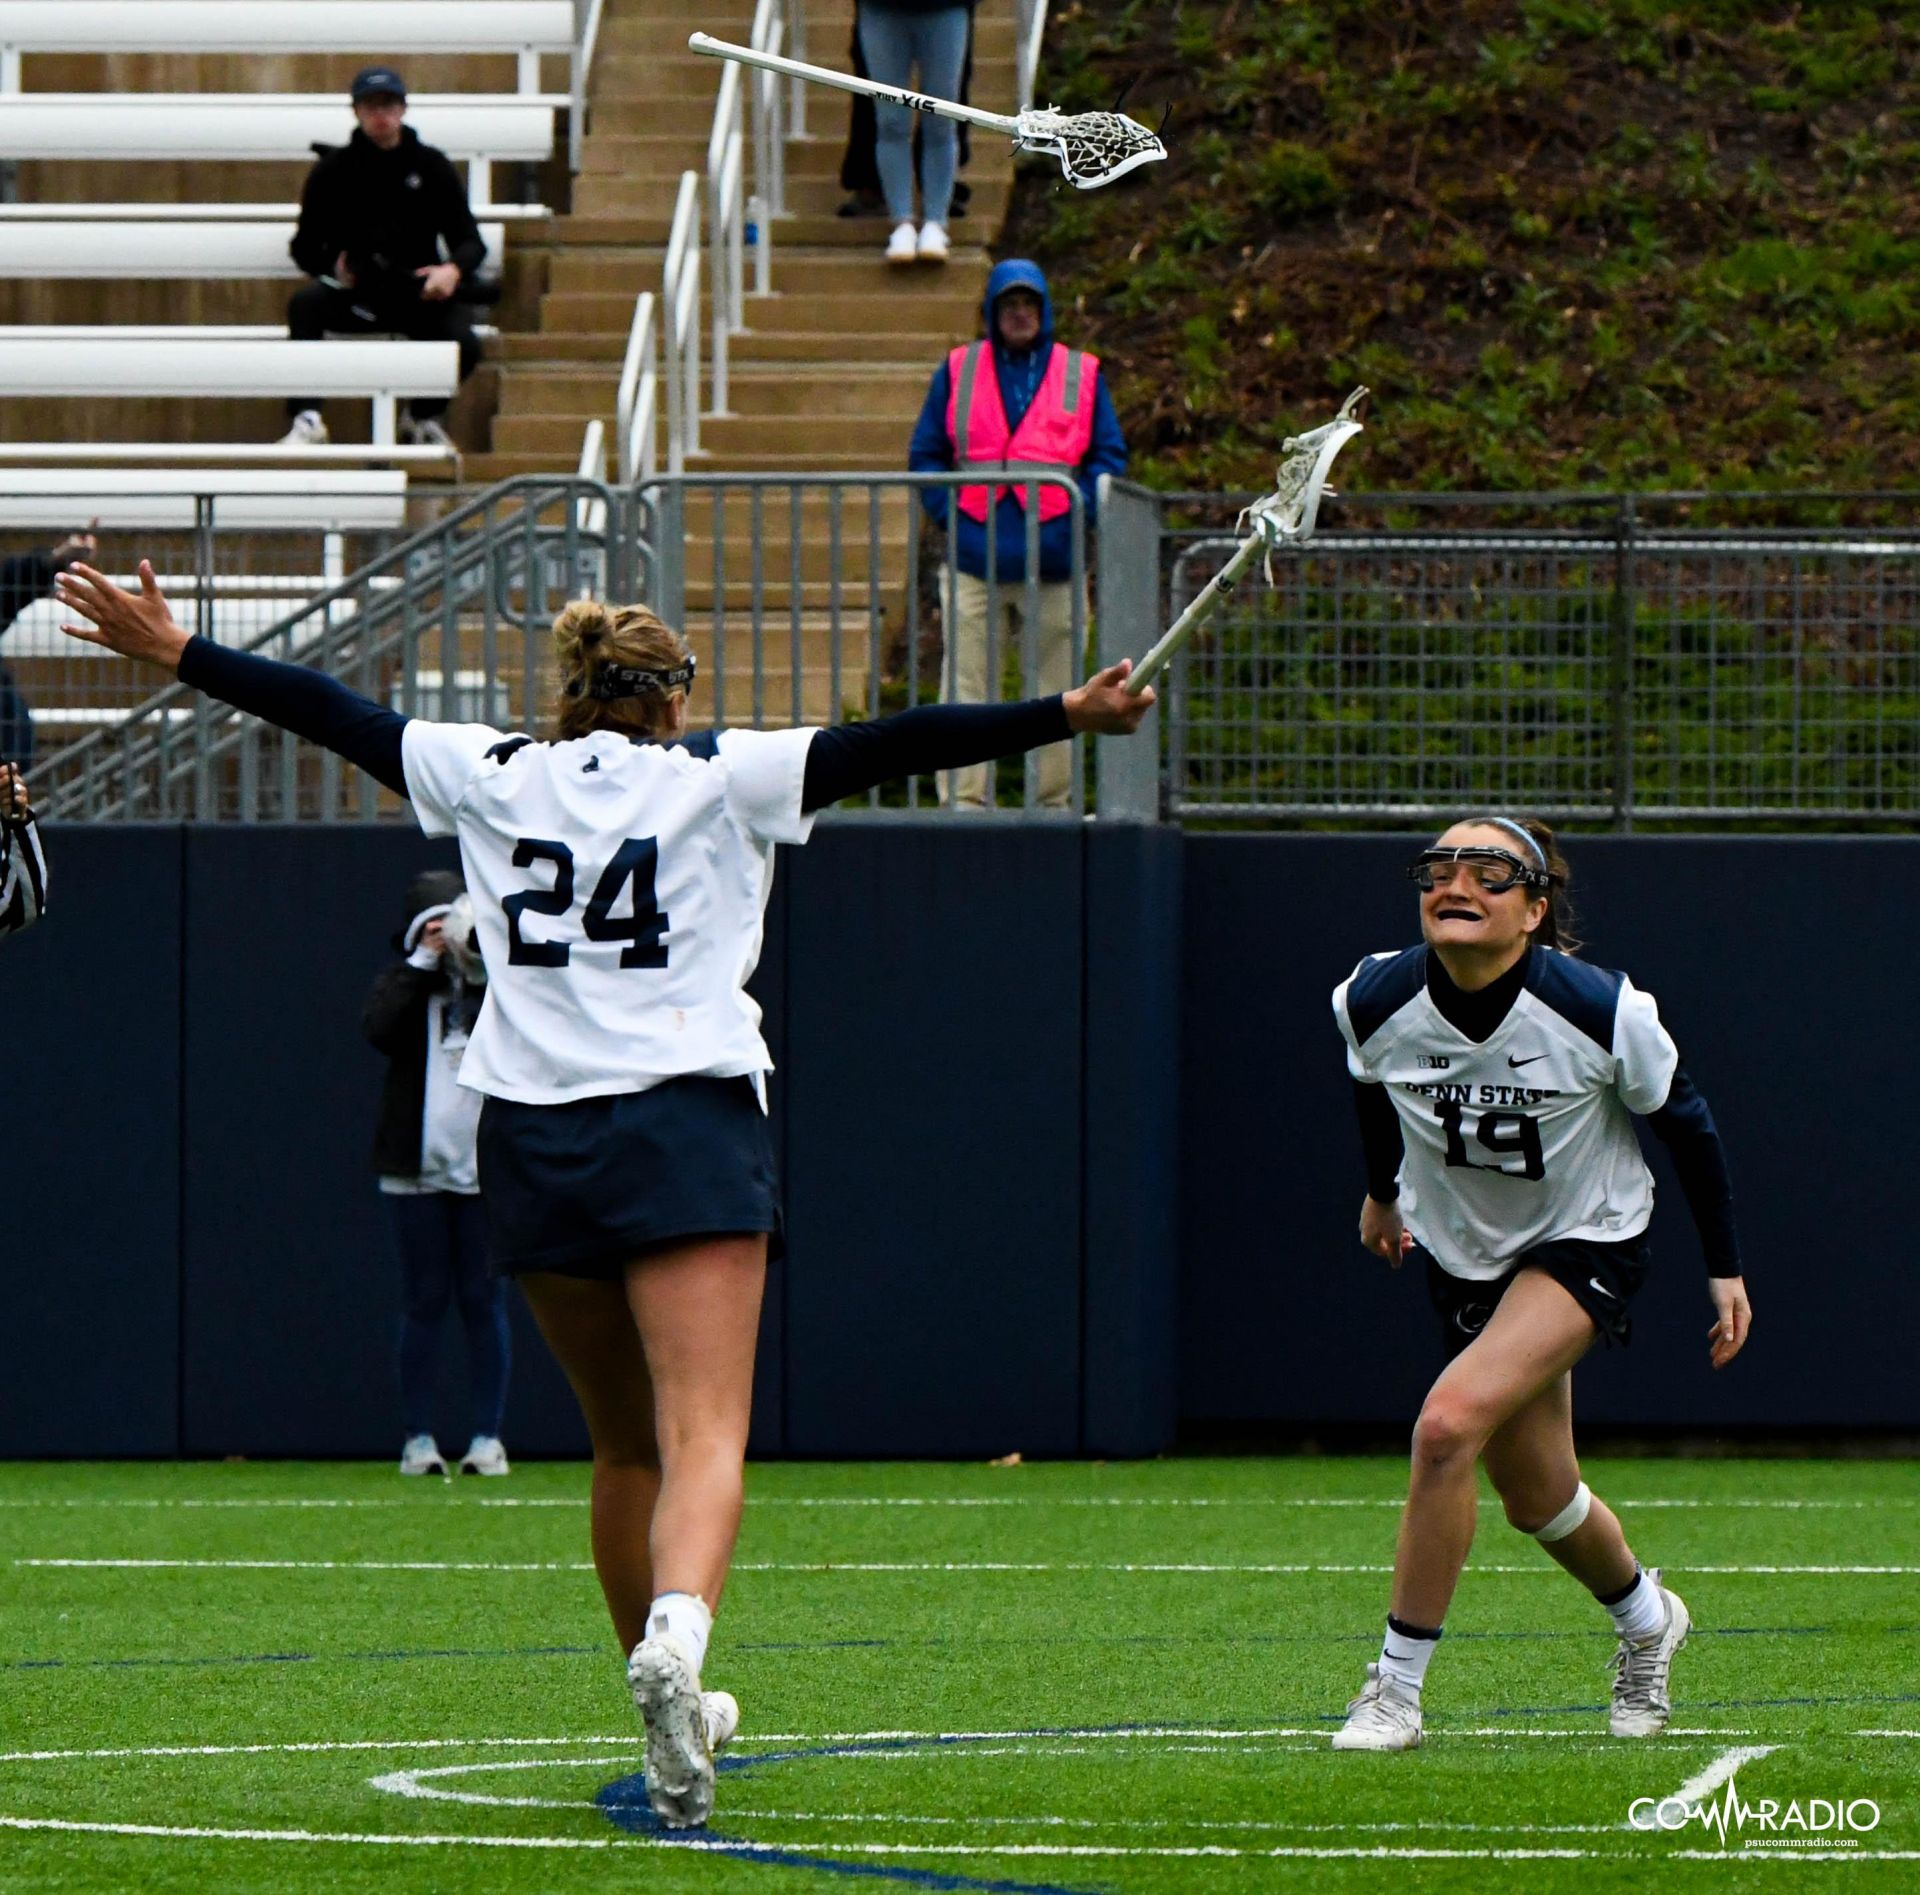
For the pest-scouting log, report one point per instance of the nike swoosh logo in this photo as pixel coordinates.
(1516, 1064)
(1593, 1282)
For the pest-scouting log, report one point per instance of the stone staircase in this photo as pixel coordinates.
(828, 378)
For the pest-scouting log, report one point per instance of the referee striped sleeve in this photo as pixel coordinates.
(23, 877)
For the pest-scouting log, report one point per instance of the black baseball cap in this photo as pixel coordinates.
(377, 79)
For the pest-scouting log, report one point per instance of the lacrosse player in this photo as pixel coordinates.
(619, 874)
(23, 863)
(1494, 1075)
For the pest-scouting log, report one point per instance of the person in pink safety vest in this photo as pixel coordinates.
(1013, 401)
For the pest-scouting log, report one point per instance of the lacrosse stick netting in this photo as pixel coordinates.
(1284, 517)
(1093, 148)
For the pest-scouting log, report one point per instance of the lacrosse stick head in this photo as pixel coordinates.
(1288, 513)
(1094, 148)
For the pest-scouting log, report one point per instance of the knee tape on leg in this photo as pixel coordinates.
(1568, 1518)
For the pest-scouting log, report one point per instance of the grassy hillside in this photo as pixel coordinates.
(1568, 242)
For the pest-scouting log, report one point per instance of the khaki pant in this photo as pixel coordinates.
(964, 678)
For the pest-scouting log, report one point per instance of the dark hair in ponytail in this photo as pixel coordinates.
(1560, 927)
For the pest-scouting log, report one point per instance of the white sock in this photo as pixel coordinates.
(1639, 1612)
(1406, 1652)
(682, 1615)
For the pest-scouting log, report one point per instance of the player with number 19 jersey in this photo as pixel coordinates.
(621, 889)
(1523, 1139)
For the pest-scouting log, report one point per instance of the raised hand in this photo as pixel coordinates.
(14, 800)
(136, 625)
(1104, 705)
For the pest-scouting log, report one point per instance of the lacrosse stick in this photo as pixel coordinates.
(1094, 148)
(1284, 517)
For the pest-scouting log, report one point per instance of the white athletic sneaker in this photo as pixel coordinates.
(666, 1688)
(933, 243)
(721, 1709)
(485, 1455)
(1642, 1668)
(904, 245)
(309, 430)
(423, 433)
(420, 1454)
(1385, 1716)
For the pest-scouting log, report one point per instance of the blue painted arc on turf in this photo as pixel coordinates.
(625, 1802)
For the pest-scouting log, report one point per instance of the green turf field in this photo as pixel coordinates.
(1048, 1678)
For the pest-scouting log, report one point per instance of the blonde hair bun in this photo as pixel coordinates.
(581, 626)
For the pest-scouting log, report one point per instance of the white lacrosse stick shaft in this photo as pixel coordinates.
(1182, 628)
(1285, 517)
(846, 82)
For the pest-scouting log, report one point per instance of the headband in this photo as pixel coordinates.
(611, 681)
(1526, 835)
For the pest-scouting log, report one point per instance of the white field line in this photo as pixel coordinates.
(903, 1500)
(882, 1566)
(629, 1740)
(1384, 1852)
(1711, 1778)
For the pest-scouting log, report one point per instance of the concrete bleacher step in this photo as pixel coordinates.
(552, 394)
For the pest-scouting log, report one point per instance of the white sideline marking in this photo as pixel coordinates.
(1379, 1852)
(940, 1500)
(1711, 1778)
(876, 1566)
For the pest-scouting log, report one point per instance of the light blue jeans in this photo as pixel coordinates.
(893, 43)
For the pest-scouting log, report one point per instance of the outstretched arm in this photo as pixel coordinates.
(308, 703)
(849, 758)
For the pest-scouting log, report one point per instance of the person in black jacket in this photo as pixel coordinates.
(24, 578)
(387, 235)
(420, 1014)
(23, 863)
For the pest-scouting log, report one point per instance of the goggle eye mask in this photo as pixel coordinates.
(1500, 869)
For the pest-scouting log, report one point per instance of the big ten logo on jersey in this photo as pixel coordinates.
(1434, 1062)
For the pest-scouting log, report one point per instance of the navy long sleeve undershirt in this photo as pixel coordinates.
(846, 759)
(841, 761)
(308, 703)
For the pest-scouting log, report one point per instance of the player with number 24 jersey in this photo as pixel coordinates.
(663, 857)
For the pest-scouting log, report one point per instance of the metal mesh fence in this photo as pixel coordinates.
(1606, 667)
(449, 622)
(232, 563)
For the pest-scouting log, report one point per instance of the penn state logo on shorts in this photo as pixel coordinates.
(1471, 1318)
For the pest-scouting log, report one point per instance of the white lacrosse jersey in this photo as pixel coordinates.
(1524, 1138)
(619, 892)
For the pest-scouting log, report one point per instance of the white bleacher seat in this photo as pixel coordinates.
(156, 251)
(171, 212)
(165, 499)
(261, 127)
(525, 28)
(381, 371)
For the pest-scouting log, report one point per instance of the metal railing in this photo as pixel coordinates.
(452, 623)
(741, 202)
(636, 404)
(1604, 659)
(1030, 29)
(814, 598)
(586, 14)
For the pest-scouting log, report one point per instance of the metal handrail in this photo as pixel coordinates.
(587, 14)
(348, 628)
(637, 403)
(726, 221)
(680, 293)
(1030, 29)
